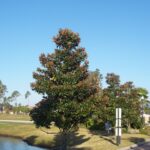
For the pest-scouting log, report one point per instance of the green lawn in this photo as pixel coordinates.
(14, 117)
(83, 139)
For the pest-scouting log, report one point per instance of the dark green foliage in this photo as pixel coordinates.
(110, 98)
(65, 83)
(95, 124)
(137, 122)
(130, 104)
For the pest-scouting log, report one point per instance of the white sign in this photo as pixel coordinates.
(118, 122)
(118, 132)
(118, 113)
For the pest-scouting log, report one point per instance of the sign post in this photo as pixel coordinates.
(118, 125)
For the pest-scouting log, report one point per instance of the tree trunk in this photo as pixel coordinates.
(65, 140)
(128, 126)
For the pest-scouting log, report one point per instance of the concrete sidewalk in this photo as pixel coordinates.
(16, 121)
(136, 146)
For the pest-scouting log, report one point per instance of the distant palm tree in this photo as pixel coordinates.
(8, 100)
(27, 94)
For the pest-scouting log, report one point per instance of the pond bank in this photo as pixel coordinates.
(7, 143)
(25, 140)
(27, 133)
(84, 139)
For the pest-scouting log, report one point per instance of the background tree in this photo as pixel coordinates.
(131, 106)
(3, 90)
(147, 107)
(143, 95)
(94, 121)
(110, 98)
(125, 96)
(64, 83)
(27, 94)
(8, 100)
(15, 94)
(17, 109)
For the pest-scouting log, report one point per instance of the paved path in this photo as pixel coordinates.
(16, 121)
(145, 146)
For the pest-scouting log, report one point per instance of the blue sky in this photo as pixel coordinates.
(116, 35)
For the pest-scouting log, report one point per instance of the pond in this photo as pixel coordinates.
(15, 144)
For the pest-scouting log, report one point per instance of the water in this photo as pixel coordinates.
(15, 144)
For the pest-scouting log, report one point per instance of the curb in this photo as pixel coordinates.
(135, 145)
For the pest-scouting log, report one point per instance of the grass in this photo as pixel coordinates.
(14, 117)
(146, 130)
(82, 140)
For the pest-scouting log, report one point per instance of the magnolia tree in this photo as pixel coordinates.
(64, 81)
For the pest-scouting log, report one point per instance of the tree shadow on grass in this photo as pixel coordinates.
(31, 140)
(73, 139)
(136, 140)
(102, 134)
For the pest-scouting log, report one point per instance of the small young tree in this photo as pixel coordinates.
(64, 83)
